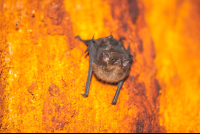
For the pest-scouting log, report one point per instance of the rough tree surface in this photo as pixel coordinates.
(43, 68)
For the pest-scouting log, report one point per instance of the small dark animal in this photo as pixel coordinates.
(109, 60)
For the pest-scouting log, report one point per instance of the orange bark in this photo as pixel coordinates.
(175, 29)
(47, 68)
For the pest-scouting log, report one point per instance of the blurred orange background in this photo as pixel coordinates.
(175, 29)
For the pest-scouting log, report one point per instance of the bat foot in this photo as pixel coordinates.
(84, 95)
(113, 103)
(78, 37)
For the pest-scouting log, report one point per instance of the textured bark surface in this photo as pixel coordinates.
(48, 68)
(175, 29)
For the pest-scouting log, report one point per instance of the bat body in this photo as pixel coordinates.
(109, 61)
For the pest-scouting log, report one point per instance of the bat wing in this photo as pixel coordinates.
(85, 41)
(92, 47)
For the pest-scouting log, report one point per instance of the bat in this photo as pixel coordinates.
(109, 61)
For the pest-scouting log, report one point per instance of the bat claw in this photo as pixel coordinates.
(93, 39)
(111, 35)
(84, 95)
(87, 50)
(113, 103)
(78, 37)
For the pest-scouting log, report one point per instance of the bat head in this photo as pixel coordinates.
(112, 66)
(115, 59)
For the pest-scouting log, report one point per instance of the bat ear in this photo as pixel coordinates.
(126, 61)
(118, 62)
(106, 55)
(129, 50)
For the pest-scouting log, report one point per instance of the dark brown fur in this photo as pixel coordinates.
(110, 71)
